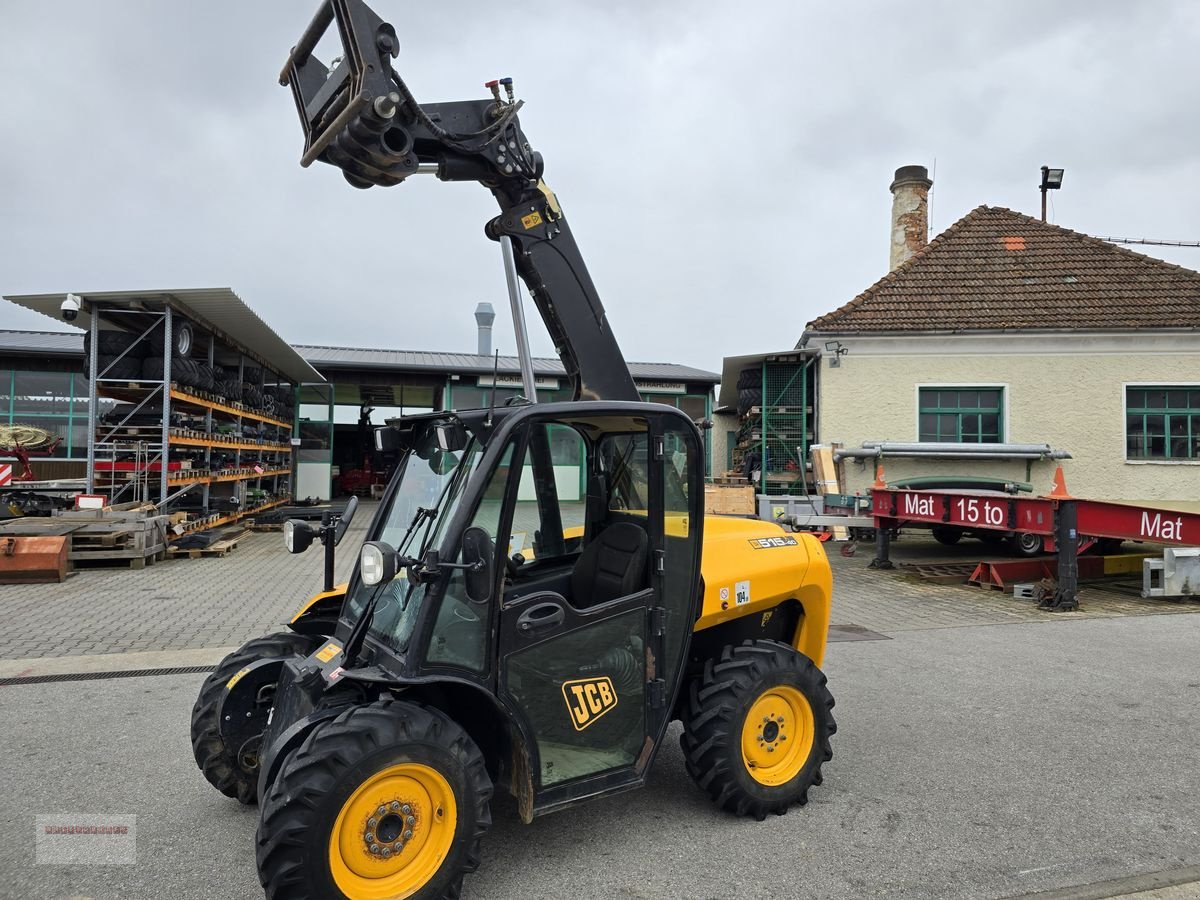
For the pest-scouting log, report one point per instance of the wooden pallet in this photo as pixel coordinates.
(117, 559)
(217, 549)
(134, 536)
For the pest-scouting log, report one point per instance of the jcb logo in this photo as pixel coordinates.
(588, 699)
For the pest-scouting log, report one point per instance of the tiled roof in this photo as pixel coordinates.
(996, 269)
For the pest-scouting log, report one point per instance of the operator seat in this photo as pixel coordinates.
(613, 565)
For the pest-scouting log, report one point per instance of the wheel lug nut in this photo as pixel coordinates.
(770, 749)
(374, 848)
(371, 822)
(766, 719)
(398, 846)
(369, 838)
(386, 852)
(395, 805)
(407, 809)
(411, 820)
(381, 810)
(407, 835)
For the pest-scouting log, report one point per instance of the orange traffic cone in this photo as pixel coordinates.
(1059, 491)
(880, 484)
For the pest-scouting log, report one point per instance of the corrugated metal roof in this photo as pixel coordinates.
(732, 367)
(219, 310)
(353, 357)
(40, 343)
(66, 343)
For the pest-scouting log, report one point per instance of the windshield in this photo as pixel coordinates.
(430, 480)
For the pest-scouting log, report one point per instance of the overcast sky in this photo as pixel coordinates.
(725, 166)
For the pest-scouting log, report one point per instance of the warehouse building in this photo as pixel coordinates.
(42, 383)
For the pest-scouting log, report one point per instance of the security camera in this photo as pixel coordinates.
(70, 307)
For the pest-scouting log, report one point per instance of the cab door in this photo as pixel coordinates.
(582, 646)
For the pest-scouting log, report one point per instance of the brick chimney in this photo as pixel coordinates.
(910, 213)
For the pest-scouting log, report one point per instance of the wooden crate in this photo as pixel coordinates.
(729, 500)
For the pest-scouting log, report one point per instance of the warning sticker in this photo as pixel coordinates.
(533, 220)
(328, 652)
(724, 593)
(742, 592)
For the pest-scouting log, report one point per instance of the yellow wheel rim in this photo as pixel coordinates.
(778, 735)
(393, 833)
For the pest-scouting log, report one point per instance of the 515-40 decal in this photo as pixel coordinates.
(783, 540)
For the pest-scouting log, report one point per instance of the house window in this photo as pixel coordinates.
(963, 415)
(1162, 422)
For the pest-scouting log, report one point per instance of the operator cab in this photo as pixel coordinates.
(550, 555)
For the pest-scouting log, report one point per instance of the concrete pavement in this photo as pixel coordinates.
(980, 761)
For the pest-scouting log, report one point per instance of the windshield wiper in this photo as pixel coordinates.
(413, 565)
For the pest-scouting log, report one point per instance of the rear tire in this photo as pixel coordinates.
(742, 711)
(1027, 545)
(316, 819)
(945, 535)
(220, 764)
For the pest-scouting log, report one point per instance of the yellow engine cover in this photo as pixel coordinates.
(750, 566)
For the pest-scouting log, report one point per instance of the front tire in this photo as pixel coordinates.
(221, 765)
(321, 832)
(756, 728)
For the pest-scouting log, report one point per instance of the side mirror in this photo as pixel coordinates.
(478, 555)
(297, 535)
(377, 562)
(344, 522)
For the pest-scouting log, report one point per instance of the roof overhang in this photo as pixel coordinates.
(732, 366)
(218, 310)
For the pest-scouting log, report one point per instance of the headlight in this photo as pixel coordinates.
(371, 565)
(297, 535)
(376, 563)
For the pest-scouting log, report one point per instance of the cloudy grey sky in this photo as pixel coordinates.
(724, 165)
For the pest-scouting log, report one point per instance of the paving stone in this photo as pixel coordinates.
(220, 602)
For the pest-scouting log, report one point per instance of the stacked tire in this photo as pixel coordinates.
(185, 372)
(183, 339)
(111, 344)
(749, 390)
(205, 378)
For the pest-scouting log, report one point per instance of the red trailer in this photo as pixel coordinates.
(1067, 524)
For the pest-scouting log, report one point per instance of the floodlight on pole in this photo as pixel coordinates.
(1051, 181)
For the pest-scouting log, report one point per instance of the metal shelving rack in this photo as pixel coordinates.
(778, 430)
(152, 447)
